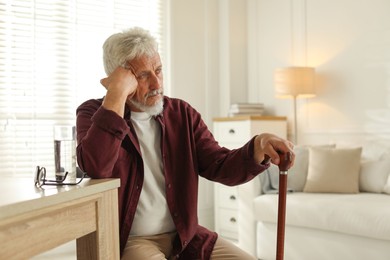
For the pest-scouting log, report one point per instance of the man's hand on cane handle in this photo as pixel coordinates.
(269, 148)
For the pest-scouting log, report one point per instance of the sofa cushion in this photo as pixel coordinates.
(373, 175)
(363, 214)
(333, 170)
(386, 189)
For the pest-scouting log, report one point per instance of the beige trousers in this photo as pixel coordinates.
(159, 247)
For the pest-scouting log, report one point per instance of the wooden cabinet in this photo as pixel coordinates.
(233, 132)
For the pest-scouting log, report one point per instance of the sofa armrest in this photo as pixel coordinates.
(247, 225)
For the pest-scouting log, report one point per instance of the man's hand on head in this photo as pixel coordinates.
(120, 84)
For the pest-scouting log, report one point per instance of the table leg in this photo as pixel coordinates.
(104, 242)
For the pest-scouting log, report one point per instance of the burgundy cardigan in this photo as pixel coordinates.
(108, 148)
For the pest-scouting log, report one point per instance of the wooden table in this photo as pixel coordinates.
(34, 220)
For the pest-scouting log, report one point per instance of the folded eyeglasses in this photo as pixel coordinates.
(40, 178)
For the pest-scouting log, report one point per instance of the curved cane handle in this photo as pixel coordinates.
(285, 161)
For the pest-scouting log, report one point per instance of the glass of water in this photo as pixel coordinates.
(65, 152)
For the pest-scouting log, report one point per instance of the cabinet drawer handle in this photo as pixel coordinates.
(233, 220)
(231, 131)
(232, 197)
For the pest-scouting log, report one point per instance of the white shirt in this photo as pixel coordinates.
(152, 215)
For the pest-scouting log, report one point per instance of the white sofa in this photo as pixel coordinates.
(335, 225)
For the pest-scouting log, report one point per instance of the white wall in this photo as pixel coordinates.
(209, 54)
(348, 42)
(225, 51)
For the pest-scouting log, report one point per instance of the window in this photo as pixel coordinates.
(50, 62)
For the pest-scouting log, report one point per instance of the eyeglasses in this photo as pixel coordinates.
(40, 178)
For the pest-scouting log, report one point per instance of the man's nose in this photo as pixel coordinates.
(155, 82)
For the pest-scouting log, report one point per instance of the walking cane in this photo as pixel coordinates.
(284, 165)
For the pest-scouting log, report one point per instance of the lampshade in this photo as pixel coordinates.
(295, 82)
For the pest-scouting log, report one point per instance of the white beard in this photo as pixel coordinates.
(150, 110)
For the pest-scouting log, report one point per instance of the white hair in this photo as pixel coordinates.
(127, 45)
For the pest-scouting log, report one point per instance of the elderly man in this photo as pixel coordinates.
(158, 147)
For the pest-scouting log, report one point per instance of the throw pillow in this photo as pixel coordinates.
(373, 175)
(386, 189)
(296, 175)
(333, 170)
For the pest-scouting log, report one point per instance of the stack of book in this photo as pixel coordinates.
(241, 109)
